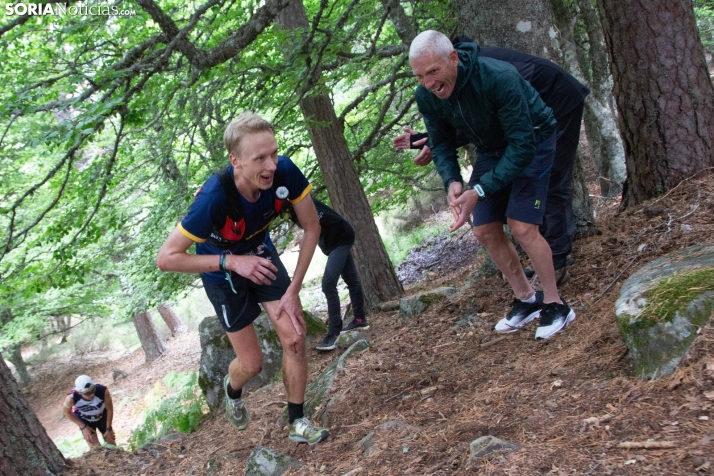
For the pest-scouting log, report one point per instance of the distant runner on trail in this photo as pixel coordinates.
(90, 407)
(229, 221)
(336, 240)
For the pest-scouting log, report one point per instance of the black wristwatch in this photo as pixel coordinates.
(109, 429)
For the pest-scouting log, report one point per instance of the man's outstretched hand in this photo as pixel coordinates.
(404, 141)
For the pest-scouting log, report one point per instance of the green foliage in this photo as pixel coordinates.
(675, 293)
(106, 132)
(398, 246)
(181, 411)
(73, 446)
(704, 13)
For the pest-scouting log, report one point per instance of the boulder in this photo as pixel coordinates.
(659, 337)
(488, 444)
(217, 353)
(411, 306)
(367, 443)
(266, 462)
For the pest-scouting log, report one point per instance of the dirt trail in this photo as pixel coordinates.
(568, 401)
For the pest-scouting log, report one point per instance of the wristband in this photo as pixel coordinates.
(82, 429)
(222, 262)
(109, 429)
(479, 190)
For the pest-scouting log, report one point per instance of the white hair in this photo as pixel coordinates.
(430, 41)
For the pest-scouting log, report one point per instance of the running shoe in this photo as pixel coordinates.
(521, 314)
(553, 318)
(328, 343)
(356, 324)
(303, 431)
(235, 409)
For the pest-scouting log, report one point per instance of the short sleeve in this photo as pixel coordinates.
(297, 184)
(207, 209)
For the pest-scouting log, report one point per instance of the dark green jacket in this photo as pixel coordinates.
(495, 109)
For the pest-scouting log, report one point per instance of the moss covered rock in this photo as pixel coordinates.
(266, 462)
(662, 306)
(217, 353)
(411, 306)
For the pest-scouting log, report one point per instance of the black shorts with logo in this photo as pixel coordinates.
(238, 310)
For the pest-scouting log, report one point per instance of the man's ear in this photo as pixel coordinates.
(233, 159)
(453, 57)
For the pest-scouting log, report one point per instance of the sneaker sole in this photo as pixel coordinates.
(331, 347)
(300, 439)
(355, 329)
(512, 329)
(566, 322)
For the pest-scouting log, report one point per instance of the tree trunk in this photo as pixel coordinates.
(379, 281)
(25, 447)
(522, 26)
(662, 91)
(148, 335)
(172, 320)
(15, 358)
(591, 67)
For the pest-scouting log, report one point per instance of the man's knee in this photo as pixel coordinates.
(488, 233)
(523, 232)
(329, 284)
(249, 366)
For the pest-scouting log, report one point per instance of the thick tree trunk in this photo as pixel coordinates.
(15, 358)
(25, 447)
(148, 335)
(662, 91)
(591, 67)
(379, 281)
(522, 26)
(172, 320)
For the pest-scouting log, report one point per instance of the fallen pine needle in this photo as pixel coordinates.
(647, 445)
(494, 341)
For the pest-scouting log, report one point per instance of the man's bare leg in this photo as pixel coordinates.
(294, 354)
(505, 257)
(249, 360)
(529, 237)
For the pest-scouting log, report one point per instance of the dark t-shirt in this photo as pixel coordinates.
(559, 90)
(334, 230)
(208, 214)
(90, 410)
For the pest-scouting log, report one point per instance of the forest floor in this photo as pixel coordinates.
(568, 401)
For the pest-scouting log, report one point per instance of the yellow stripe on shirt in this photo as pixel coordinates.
(303, 195)
(190, 235)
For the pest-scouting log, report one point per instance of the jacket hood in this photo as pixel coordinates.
(468, 65)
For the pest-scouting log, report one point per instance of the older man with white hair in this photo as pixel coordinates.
(489, 103)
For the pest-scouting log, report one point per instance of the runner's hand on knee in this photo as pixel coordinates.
(290, 304)
(257, 269)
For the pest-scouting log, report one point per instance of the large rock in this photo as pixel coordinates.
(411, 306)
(318, 391)
(266, 462)
(217, 353)
(488, 444)
(657, 344)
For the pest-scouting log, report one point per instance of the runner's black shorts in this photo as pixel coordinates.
(524, 198)
(100, 424)
(238, 310)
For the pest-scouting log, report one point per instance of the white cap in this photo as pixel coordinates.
(82, 383)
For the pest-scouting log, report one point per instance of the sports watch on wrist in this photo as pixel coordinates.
(479, 191)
